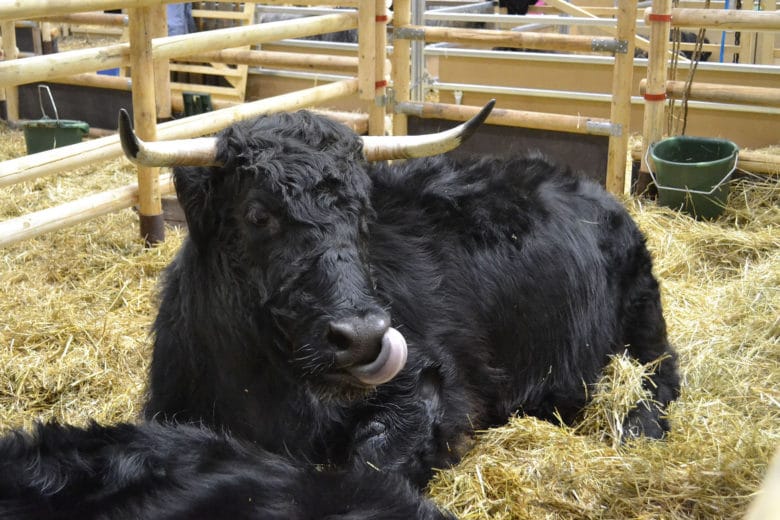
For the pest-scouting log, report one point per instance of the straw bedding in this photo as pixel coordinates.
(75, 309)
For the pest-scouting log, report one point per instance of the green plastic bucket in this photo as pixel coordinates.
(691, 173)
(46, 133)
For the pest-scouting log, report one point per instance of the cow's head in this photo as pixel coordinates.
(285, 204)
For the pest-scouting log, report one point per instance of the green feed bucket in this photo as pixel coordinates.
(46, 133)
(691, 173)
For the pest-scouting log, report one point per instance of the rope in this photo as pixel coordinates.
(682, 120)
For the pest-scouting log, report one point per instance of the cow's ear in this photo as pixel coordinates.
(195, 190)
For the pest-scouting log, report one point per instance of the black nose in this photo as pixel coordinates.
(358, 338)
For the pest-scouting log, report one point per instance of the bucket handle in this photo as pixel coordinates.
(687, 190)
(41, 88)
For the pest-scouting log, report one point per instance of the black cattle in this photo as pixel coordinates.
(308, 271)
(685, 37)
(155, 471)
(360, 315)
(517, 6)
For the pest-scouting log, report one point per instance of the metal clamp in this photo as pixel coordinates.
(409, 33)
(605, 128)
(609, 45)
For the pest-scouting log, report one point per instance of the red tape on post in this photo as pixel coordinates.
(655, 97)
(380, 84)
(652, 17)
(382, 18)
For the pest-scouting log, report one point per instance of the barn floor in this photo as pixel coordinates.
(76, 307)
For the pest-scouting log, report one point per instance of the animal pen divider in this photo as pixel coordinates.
(141, 53)
(656, 88)
(149, 51)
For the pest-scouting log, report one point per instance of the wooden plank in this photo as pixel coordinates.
(204, 69)
(723, 93)
(226, 14)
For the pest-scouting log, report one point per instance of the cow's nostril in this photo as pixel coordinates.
(341, 334)
(358, 339)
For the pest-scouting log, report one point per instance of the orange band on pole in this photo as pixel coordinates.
(382, 18)
(380, 84)
(652, 17)
(655, 97)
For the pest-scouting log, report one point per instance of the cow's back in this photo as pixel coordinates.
(517, 262)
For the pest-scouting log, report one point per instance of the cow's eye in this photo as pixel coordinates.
(258, 216)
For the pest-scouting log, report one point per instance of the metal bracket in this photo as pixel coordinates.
(390, 97)
(609, 45)
(608, 128)
(409, 108)
(409, 33)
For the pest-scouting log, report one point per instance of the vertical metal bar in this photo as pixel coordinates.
(418, 58)
(401, 72)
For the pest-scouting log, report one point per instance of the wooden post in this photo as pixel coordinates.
(152, 223)
(655, 96)
(378, 109)
(402, 66)
(747, 42)
(367, 55)
(162, 72)
(765, 41)
(47, 41)
(9, 51)
(620, 110)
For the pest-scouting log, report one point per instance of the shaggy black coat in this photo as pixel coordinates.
(516, 6)
(155, 471)
(511, 280)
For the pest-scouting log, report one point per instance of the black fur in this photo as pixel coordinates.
(155, 471)
(685, 37)
(511, 280)
(516, 6)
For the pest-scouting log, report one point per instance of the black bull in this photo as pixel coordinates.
(366, 317)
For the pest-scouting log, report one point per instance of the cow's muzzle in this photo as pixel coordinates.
(368, 348)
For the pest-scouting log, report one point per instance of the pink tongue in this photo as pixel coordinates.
(389, 362)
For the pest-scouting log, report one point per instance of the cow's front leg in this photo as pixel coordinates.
(392, 444)
(405, 438)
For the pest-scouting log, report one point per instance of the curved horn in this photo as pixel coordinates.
(182, 152)
(381, 148)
